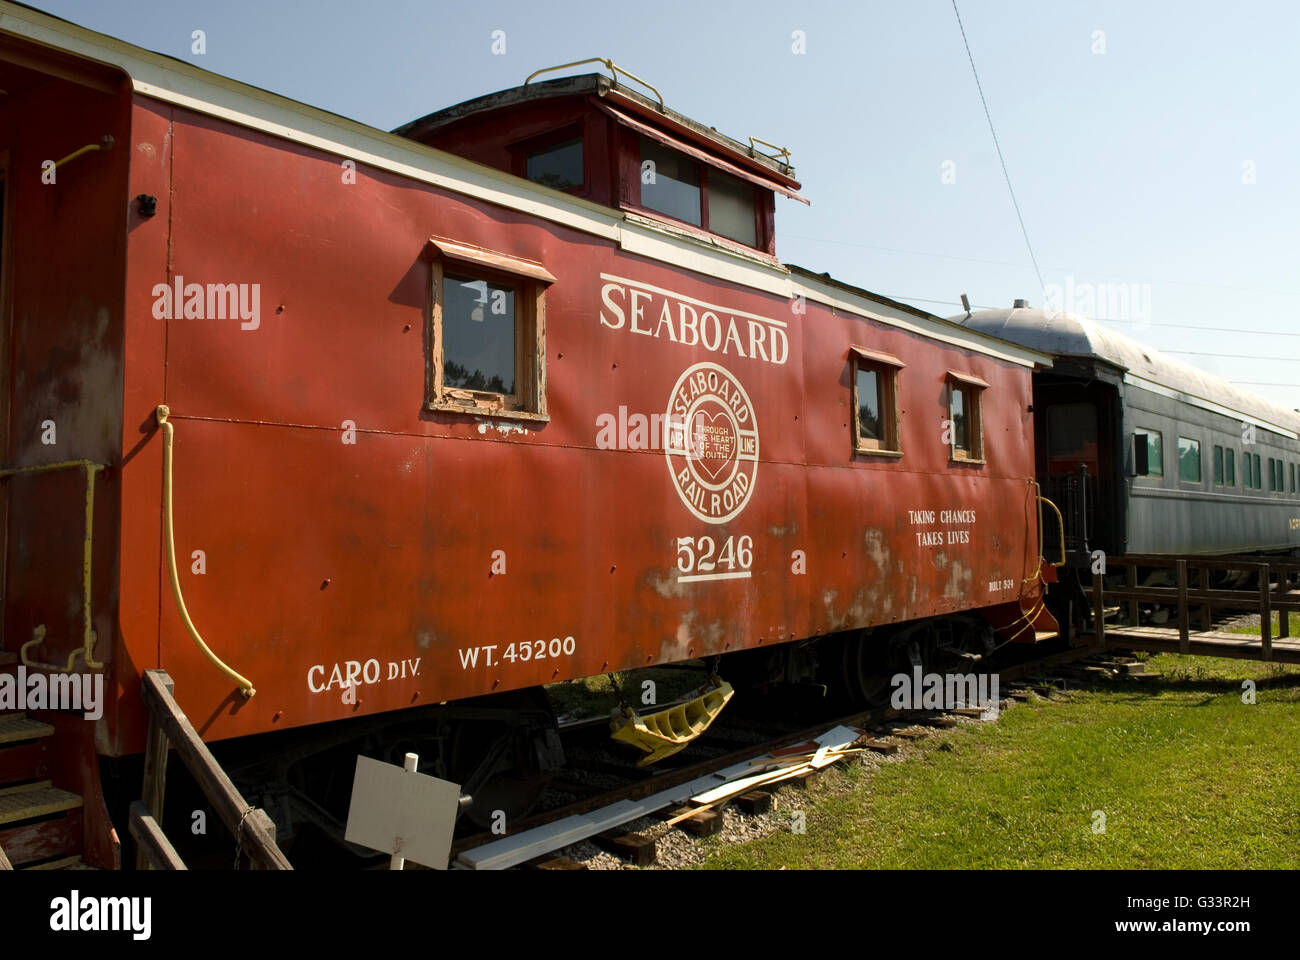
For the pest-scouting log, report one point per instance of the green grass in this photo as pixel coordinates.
(1187, 775)
(1294, 624)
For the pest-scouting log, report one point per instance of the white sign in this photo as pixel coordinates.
(407, 814)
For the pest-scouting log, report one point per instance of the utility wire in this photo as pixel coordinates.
(1007, 263)
(1002, 159)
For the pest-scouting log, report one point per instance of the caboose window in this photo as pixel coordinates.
(670, 183)
(478, 335)
(1218, 465)
(558, 166)
(1189, 460)
(488, 332)
(1229, 467)
(875, 401)
(731, 208)
(965, 421)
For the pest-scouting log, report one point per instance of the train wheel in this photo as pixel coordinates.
(870, 662)
(505, 755)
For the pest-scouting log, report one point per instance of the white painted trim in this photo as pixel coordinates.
(184, 85)
(937, 329)
(1162, 390)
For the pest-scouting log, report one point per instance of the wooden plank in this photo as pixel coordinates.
(910, 734)
(154, 786)
(554, 863)
(42, 841)
(26, 761)
(4, 861)
(879, 746)
(151, 842)
(634, 847)
(943, 723)
(228, 802)
(704, 823)
(1180, 569)
(754, 803)
(1206, 618)
(1266, 613)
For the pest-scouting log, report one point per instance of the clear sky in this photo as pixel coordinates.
(1154, 147)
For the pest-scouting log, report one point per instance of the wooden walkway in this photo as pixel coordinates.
(1202, 643)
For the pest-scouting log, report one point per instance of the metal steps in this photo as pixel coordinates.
(40, 824)
(29, 801)
(18, 727)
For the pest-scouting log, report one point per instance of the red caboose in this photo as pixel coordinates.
(517, 394)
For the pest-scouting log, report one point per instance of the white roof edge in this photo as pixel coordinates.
(185, 85)
(832, 294)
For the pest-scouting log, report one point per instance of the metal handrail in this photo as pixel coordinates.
(1060, 521)
(245, 685)
(781, 152)
(612, 67)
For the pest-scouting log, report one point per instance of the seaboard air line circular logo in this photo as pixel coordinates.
(712, 442)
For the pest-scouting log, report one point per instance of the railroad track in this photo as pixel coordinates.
(601, 780)
(607, 782)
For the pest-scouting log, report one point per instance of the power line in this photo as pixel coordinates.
(1008, 263)
(1176, 326)
(1001, 159)
(1233, 356)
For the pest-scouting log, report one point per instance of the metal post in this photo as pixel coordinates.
(409, 764)
(1184, 644)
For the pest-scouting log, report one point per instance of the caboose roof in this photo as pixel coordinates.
(626, 105)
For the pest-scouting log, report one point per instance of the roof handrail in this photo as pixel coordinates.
(781, 154)
(612, 67)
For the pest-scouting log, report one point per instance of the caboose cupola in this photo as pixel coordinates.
(592, 137)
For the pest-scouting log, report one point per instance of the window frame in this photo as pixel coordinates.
(530, 281)
(886, 367)
(1148, 432)
(521, 149)
(1230, 467)
(973, 388)
(705, 169)
(1200, 468)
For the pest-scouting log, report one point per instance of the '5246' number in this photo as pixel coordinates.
(696, 554)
